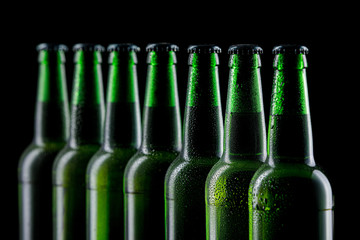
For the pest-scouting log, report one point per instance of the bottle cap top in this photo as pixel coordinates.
(88, 47)
(204, 48)
(245, 49)
(123, 47)
(51, 47)
(162, 47)
(290, 48)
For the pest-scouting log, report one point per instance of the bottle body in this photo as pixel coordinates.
(35, 194)
(69, 169)
(144, 194)
(226, 190)
(69, 191)
(185, 178)
(185, 205)
(290, 201)
(51, 132)
(104, 196)
(227, 197)
(289, 196)
(105, 171)
(161, 143)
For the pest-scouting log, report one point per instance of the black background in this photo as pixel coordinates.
(329, 32)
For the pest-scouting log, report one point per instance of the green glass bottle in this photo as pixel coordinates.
(161, 143)
(203, 145)
(69, 169)
(228, 182)
(289, 196)
(122, 132)
(50, 135)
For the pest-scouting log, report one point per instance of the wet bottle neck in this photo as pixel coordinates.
(203, 123)
(52, 110)
(161, 115)
(290, 134)
(87, 110)
(245, 135)
(122, 122)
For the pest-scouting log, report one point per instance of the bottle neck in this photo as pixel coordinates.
(203, 125)
(290, 134)
(52, 110)
(245, 136)
(122, 122)
(161, 115)
(87, 111)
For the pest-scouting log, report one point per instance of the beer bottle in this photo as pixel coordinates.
(105, 219)
(228, 182)
(203, 145)
(161, 143)
(69, 170)
(289, 196)
(50, 135)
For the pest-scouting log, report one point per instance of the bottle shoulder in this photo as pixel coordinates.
(231, 175)
(146, 171)
(69, 153)
(189, 164)
(106, 161)
(184, 175)
(105, 170)
(286, 170)
(224, 167)
(72, 162)
(36, 159)
(143, 161)
(228, 187)
(289, 180)
(33, 149)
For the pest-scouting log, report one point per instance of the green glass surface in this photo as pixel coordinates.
(226, 190)
(123, 77)
(298, 102)
(50, 134)
(161, 143)
(87, 74)
(52, 65)
(105, 172)
(244, 90)
(161, 66)
(203, 145)
(69, 169)
(289, 196)
(194, 95)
